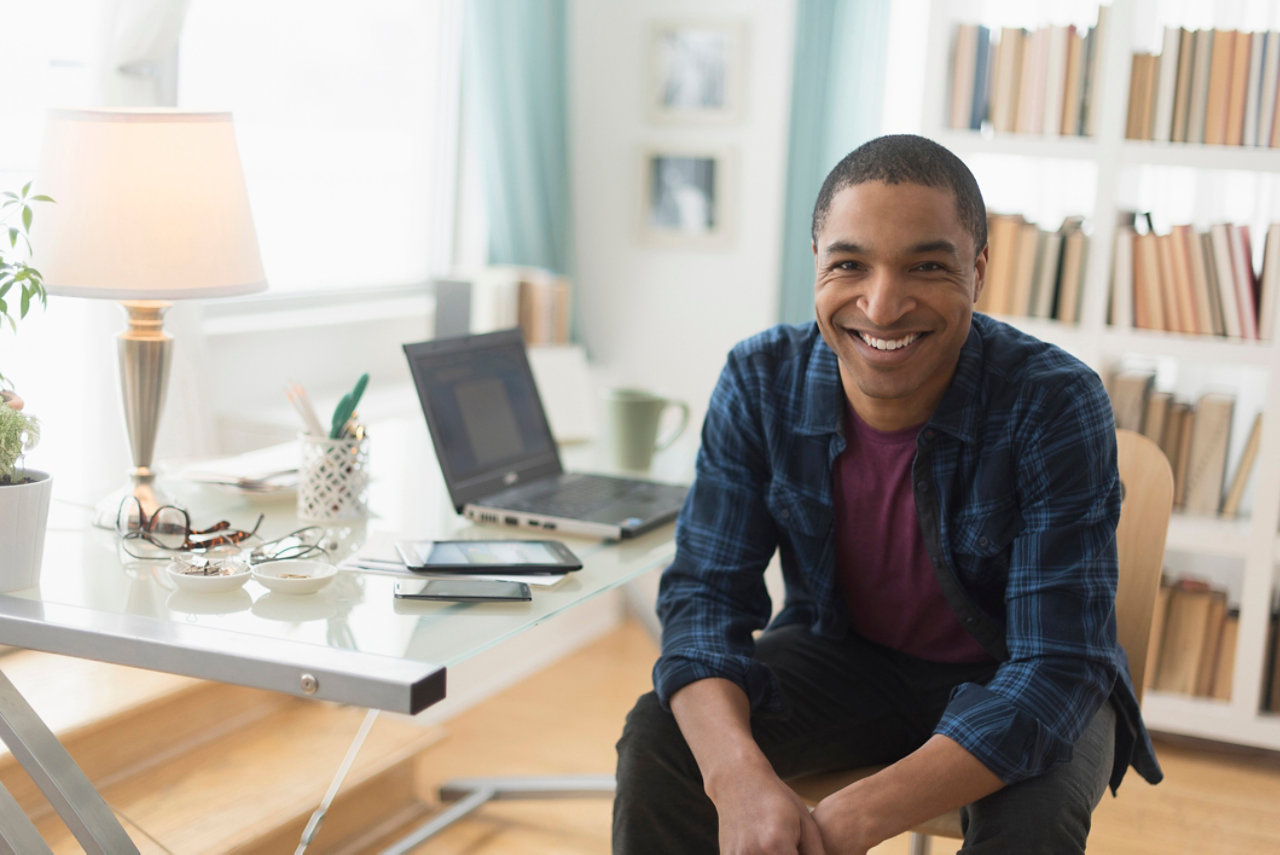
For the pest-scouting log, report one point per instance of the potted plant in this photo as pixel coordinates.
(24, 493)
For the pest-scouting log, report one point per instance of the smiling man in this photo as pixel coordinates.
(941, 491)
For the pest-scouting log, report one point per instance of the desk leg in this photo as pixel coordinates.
(470, 793)
(58, 777)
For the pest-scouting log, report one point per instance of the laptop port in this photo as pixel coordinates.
(548, 525)
(511, 521)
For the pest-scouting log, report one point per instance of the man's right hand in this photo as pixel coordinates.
(759, 814)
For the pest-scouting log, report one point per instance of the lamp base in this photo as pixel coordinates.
(149, 496)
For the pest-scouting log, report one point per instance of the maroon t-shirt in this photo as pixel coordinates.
(882, 567)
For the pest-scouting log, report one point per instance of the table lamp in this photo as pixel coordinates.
(150, 207)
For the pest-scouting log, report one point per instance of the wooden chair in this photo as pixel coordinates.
(1147, 481)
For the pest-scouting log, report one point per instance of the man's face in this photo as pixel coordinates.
(894, 291)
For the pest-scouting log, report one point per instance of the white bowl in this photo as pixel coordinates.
(211, 584)
(294, 576)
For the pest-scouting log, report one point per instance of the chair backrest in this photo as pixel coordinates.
(1144, 521)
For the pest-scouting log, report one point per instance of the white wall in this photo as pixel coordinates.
(666, 317)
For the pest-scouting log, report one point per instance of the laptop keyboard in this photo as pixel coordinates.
(577, 498)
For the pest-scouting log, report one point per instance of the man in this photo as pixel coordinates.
(942, 493)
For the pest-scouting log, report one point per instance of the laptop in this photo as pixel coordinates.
(497, 454)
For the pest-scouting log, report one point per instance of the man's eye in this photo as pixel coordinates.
(848, 265)
(929, 266)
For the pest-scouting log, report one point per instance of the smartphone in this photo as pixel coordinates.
(488, 556)
(463, 590)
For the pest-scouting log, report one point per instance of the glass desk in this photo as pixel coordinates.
(352, 642)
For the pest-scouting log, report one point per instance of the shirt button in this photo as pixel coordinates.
(929, 434)
(786, 515)
(982, 541)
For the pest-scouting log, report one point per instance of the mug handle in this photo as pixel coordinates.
(675, 434)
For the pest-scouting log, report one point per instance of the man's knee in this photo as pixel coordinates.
(1050, 814)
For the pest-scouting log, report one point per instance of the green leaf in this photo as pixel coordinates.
(42, 198)
(26, 217)
(26, 188)
(26, 303)
(13, 238)
(4, 289)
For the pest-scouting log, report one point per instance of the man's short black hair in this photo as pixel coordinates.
(907, 159)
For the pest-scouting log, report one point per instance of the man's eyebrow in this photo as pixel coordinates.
(939, 245)
(934, 246)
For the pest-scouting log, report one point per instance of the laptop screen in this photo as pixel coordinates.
(484, 413)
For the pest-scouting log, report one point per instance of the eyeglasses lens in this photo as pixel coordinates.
(169, 527)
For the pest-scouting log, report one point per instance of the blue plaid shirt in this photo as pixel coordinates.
(1018, 498)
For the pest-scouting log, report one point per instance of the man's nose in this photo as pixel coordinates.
(886, 299)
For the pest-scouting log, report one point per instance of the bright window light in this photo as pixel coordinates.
(346, 115)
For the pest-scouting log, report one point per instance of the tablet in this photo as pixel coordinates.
(488, 556)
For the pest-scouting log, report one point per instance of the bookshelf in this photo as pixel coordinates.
(1249, 548)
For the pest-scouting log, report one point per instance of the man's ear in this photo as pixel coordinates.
(980, 272)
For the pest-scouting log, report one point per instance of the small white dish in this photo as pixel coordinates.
(229, 576)
(294, 576)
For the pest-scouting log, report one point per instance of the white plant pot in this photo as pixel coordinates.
(24, 512)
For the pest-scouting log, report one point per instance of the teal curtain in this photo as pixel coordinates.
(837, 91)
(515, 91)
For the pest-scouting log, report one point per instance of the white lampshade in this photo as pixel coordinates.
(150, 205)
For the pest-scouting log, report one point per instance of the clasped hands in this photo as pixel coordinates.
(760, 815)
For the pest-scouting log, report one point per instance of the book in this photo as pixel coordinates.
(1137, 86)
(1073, 86)
(1224, 274)
(1183, 641)
(1147, 106)
(1162, 125)
(1267, 97)
(1225, 668)
(1182, 88)
(1055, 80)
(1005, 79)
(1207, 264)
(1148, 311)
(1122, 278)
(1200, 67)
(1207, 455)
(1002, 237)
(1029, 118)
(981, 80)
(1215, 618)
(1096, 40)
(1253, 91)
(1044, 291)
(1272, 694)
(1238, 86)
(1182, 456)
(964, 56)
(1170, 299)
(1198, 281)
(1129, 390)
(1244, 469)
(1220, 65)
(1269, 283)
(1075, 245)
(1242, 276)
(1153, 422)
(1156, 639)
(1024, 264)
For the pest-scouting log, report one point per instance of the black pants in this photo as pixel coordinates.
(848, 703)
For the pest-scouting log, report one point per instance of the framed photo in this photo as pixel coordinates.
(697, 70)
(685, 196)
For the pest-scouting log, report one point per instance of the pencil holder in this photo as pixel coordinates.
(334, 479)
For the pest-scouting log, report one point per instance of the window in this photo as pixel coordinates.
(346, 116)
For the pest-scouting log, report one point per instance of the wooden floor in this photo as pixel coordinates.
(566, 719)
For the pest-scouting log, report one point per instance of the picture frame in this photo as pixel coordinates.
(686, 196)
(696, 71)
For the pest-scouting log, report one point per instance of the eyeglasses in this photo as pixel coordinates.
(303, 543)
(169, 529)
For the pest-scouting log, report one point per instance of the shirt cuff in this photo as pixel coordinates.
(1012, 744)
(672, 672)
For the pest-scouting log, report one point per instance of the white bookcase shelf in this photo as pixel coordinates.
(1251, 544)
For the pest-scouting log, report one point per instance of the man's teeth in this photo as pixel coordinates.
(882, 344)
